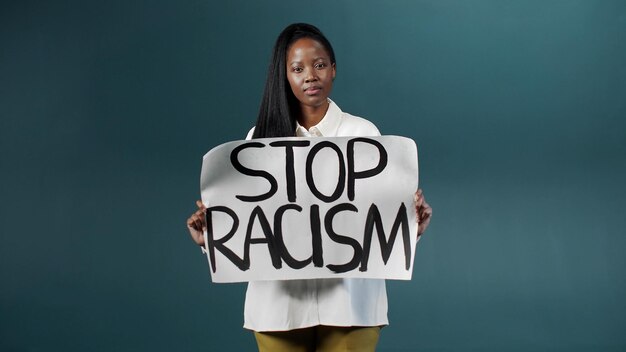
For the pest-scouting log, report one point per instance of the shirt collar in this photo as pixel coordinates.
(326, 127)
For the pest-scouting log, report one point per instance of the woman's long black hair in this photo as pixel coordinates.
(279, 107)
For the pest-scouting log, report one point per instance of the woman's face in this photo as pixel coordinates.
(310, 72)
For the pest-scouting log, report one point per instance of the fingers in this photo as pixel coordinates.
(421, 228)
(199, 216)
(419, 203)
(196, 221)
(423, 211)
(196, 224)
(419, 198)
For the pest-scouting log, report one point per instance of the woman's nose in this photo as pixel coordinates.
(310, 76)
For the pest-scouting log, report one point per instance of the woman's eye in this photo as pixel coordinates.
(296, 69)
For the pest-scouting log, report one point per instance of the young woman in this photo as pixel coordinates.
(320, 314)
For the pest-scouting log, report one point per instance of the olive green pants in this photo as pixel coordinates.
(319, 339)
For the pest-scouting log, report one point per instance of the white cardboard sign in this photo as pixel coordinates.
(304, 208)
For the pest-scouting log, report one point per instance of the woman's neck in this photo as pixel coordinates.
(312, 115)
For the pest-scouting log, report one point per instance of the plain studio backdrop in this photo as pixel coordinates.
(518, 109)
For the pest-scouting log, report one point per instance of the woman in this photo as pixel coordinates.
(321, 314)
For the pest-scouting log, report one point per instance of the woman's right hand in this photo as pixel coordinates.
(196, 224)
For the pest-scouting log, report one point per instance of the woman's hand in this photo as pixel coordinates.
(423, 212)
(196, 224)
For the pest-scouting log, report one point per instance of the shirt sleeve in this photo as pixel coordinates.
(250, 134)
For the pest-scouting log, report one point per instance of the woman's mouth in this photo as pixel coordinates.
(312, 90)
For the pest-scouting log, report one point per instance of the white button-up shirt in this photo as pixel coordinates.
(295, 304)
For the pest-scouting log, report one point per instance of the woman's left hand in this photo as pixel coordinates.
(423, 211)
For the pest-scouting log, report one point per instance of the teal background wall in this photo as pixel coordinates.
(518, 108)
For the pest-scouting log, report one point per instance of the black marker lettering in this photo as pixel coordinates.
(289, 170)
(374, 219)
(316, 233)
(309, 172)
(257, 212)
(250, 172)
(328, 224)
(214, 244)
(352, 174)
(280, 243)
